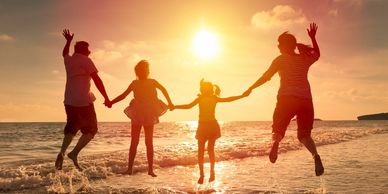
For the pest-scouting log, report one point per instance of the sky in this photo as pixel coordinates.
(350, 78)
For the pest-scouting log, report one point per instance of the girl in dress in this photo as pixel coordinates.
(208, 128)
(143, 111)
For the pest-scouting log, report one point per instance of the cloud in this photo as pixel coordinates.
(357, 3)
(279, 16)
(333, 12)
(106, 56)
(5, 37)
(113, 53)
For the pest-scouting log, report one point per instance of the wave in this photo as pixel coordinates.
(41, 175)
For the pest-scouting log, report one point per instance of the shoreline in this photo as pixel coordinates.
(349, 168)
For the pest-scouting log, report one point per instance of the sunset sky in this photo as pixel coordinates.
(350, 78)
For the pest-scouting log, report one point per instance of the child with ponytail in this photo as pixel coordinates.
(208, 128)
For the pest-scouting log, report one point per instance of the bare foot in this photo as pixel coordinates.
(200, 180)
(319, 170)
(273, 155)
(212, 177)
(152, 174)
(75, 160)
(59, 162)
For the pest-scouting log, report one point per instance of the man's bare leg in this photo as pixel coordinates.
(82, 142)
(65, 144)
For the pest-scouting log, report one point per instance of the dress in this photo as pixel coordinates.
(145, 108)
(208, 127)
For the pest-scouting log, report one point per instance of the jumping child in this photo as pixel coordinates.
(208, 128)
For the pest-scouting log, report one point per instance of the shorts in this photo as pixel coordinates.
(286, 108)
(81, 118)
(208, 130)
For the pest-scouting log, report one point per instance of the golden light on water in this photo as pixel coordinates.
(206, 44)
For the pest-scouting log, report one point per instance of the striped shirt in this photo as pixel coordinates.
(293, 71)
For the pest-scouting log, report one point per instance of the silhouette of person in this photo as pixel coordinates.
(294, 95)
(208, 128)
(144, 111)
(78, 101)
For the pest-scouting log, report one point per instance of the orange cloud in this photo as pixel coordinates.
(5, 37)
(279, 16)
(124, 52)
(357, 3)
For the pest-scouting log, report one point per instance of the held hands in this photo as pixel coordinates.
(108, 103)
(313, 30)
(67, 35)
(171, 107)
(247, 93)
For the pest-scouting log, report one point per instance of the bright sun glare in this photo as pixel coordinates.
(206, 44)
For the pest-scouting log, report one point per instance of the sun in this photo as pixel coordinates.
(206, 44)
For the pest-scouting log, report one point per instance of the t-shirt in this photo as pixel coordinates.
(78, 70)
(293, 71)
(207, 107)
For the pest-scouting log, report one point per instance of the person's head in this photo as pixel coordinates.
(142, 69)
(82, 47)
(304, 49)
(287, 43)
(208, 88)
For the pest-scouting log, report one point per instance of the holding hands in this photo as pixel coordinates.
(108, 103)
(171, 107)
(247, 93)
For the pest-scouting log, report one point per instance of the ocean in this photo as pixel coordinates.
(354, 154)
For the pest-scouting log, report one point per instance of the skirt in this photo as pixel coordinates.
(145, 114)
(208, 130)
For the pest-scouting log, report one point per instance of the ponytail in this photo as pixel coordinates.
(217, 90)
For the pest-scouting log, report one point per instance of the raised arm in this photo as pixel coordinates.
(165, 93)
(123, 95)
(69, 38)
(312, 32)
(187, 106)
(100, 86)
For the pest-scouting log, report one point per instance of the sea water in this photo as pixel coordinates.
(353, 153)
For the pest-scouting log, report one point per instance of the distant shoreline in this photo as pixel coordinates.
(378, 116)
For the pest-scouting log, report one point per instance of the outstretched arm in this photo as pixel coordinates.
(100, 86)
(312, 32)
(258, 83)
(123, 95)
(232, 98)
(165, 93)
(264, 78)
(187, 106)
(69, 38)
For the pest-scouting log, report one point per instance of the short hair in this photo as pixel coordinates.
(81, 46)
(142, 69)
(287, 40)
